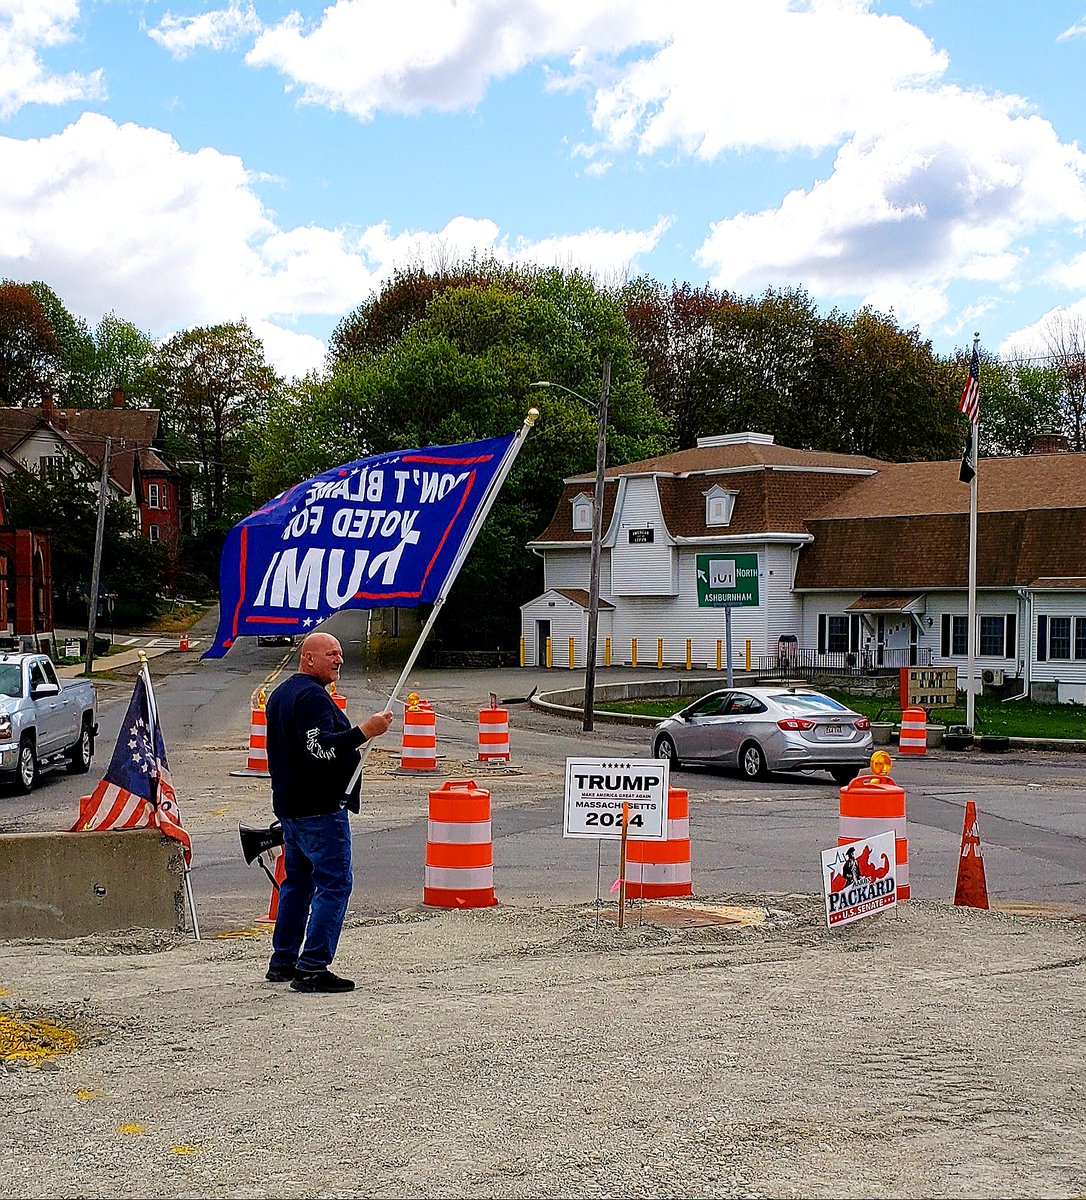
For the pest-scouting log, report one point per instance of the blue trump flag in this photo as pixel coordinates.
(377, 532)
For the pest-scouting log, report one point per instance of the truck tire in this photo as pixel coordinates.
(26, 771)
(82, 752)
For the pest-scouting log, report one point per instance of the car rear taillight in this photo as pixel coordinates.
(796, 723)
(863, 723)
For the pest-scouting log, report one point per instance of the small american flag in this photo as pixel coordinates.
(137, 790)
(970, 403)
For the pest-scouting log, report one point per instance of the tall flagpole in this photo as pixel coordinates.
(476, 524)
(971, 644)
(152, 712)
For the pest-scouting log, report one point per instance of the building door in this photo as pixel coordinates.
(542, 633)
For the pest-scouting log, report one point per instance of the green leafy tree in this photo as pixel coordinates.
(65, 505)
(115, 354)
(1018, 401)
(214, 387)
(464, 371)
(873, 388)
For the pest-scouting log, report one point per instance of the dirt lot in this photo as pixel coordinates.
(543, 1052)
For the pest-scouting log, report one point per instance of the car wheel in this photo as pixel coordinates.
(82, 752)
(26, 774)
(843, 775)
(665, 748)
(752, 761)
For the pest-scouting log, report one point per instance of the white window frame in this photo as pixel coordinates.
(154, 534)
(719, 506)
(582, 513)
(154, 496)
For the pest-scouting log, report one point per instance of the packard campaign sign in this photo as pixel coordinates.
(596, 790)
(377, 532)
(859, 878)
(727, 580)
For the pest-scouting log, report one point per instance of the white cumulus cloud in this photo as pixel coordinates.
(219, 29)
(26, 28)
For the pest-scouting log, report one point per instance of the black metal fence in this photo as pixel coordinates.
(807, 663)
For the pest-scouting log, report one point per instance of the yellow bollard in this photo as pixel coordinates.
(660, 652)
(548, 651)
(688, 654)
(571, 654)
(633, 652)
(606, 652)
(522, 650)
(748, 654)
(719, 645)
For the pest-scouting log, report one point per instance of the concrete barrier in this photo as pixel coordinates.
(66, 885)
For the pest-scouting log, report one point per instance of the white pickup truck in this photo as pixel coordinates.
(43, 722)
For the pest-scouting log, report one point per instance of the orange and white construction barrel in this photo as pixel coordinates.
(459, 847)
(657, 869)
(257, 762)
(872, 804)
(340, 700)
(418, 747)
(493, 734)
(913, 738)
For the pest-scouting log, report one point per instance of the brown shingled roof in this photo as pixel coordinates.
(561, 528)
(741, 454)
(1033, 481)
(899, 553)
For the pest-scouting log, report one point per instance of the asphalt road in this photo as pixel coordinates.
(747, 838)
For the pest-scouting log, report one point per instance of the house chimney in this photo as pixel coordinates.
(60, 420)
(1049, 443)
(118, 397)
(47, 408)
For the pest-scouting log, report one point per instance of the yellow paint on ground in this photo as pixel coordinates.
(131, 1127)
(187, 1149)
(218, 812)
(33, 1040)
(86, 1094)
(243, 933)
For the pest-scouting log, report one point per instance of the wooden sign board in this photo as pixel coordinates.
(929, 687)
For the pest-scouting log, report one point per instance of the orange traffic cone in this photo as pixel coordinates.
(971, 890)
(279, 876)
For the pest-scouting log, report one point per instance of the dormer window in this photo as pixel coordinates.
(719, 503)
(582, 513)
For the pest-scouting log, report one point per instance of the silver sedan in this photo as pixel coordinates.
(763, 729)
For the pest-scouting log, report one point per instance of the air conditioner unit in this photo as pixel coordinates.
(992, 676)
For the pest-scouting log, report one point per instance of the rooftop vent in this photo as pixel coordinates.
(736, 439)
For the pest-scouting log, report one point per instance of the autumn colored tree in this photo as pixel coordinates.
(29, 350)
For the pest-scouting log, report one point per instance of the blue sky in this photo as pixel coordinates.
(190, 163)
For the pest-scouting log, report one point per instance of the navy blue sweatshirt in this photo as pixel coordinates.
(312, 749)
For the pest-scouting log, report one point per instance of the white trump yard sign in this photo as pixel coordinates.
(596, 790)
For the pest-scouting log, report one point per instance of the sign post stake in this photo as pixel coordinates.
(622, 864)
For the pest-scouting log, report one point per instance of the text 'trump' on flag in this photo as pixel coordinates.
(136, 790)
(374, 533)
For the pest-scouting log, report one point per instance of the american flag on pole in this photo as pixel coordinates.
(970, 402)
(137, 790)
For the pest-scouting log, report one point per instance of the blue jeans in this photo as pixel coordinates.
(313, 896)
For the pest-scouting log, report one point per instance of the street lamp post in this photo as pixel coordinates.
(597, 537)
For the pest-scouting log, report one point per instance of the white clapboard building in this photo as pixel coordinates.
(834, 561)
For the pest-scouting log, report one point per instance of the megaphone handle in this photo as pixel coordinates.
(264, 868)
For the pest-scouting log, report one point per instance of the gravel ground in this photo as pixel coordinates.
(530, 1052)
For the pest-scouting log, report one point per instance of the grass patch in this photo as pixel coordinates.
(1018, 718)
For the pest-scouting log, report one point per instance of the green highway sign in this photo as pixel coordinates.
(727, 580)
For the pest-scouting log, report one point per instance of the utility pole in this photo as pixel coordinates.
(99, 533)
(594, 566)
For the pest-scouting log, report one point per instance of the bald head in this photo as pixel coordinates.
(321, 656)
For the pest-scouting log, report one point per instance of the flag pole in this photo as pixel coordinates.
(971, 641)
(186, 874)
(476, 524)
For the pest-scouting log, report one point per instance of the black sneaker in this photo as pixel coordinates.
(279, 974)
(320, 981)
